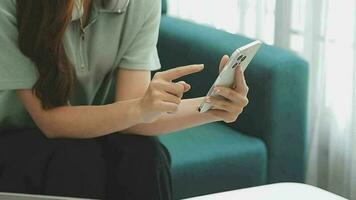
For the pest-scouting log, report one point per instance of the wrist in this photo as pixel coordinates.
(132, 111)
(136, 111)
(208, 115)
(212, 117)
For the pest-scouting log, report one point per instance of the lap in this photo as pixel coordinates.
(31, 163)
(25, 143)
(149, 147)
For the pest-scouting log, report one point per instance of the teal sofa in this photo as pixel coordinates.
(267, 144)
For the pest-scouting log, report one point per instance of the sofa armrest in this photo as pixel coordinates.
(278, 82)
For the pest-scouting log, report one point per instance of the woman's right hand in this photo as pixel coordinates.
(164, 96)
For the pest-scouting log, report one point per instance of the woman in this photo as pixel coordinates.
(58, 59)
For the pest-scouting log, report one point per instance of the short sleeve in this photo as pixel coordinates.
(16, 70)
(142, 54)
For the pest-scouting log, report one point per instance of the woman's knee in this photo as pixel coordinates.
(138, 167)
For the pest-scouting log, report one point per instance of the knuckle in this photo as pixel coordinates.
(181, 91)
(158, 75)
(237, 111)
(214, 101)
(229, 121)
(160, 82)
(246, 101)
(230, 93)
(219, 106)
(176, 100)
(232, 118)
(180, 88)
(225, 105)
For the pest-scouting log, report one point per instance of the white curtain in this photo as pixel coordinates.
(324, 33)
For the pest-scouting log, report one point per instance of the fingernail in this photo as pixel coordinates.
(216, 90)
(208, 100)
(188, 88)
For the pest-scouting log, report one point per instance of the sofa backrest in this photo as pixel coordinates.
(164, 7)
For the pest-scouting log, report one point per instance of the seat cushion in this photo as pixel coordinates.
(214, 158)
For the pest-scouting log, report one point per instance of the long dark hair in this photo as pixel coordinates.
(41, 28)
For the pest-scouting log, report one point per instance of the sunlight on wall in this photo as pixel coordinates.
(254, 18)
(338, 39)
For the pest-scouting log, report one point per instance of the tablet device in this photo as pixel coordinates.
(242, 56)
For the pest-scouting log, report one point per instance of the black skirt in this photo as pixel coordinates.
(116, 166)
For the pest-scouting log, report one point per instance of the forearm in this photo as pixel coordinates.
(89, 121)
(187, 116)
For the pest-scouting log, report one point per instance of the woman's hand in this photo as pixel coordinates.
(164, 96)
(231, 101)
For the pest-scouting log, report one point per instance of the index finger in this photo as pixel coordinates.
(179, 72)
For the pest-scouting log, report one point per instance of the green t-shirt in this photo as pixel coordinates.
(122, 34)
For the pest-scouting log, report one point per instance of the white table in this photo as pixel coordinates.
(280, 191)
(12, 196)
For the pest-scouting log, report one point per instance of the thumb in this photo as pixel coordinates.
(223, 62)
(186, 86)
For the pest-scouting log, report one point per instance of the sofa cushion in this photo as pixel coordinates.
(214, 158)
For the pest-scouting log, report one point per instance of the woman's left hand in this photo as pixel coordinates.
(232, 101)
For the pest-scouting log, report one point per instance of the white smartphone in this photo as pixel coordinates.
(242, 56)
